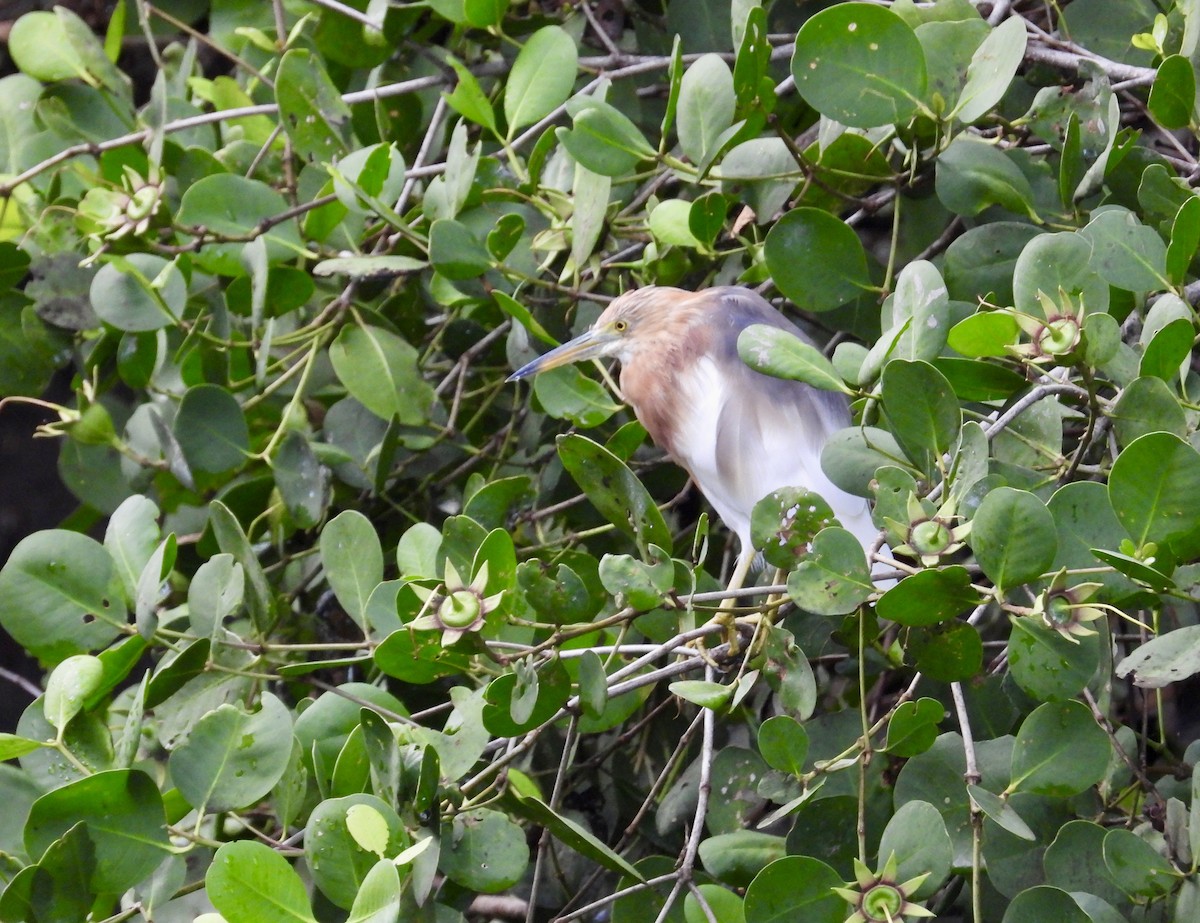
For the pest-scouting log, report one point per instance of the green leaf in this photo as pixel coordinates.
(456, 252)
(913, 727)
(1074, 860)
(211, 430)
(483, 850)
(353, 561)
(1050, 262)
(1137, 867)
(703, 693)
(603, 139)
(483, 14)
(572, 834)
(789, 674)
(1170, 657)
(988, 333)
(1173, 94)
(670, 223)
(1085, 520)
(642, 586)
(992, 69)
(125, 820)
(468, 98)
(1060, 751)
(706, 107)
(248, 882)
(860, 64)
(591, 195)
(784, 523)
(227, 205)
(593, 684)
(338, 862)
(1000, 811)
(948, 47)
(1045, 903)
(736, 858)
(973, 175)
(567, 394)
(1184, 240)
(505, 235)
(1153, 488)
(1135, 569)
(949, 652)
(783, 743)
(380, 370)
(58, 46)
(794, 888)
(781, 354)
(231, 759)
(706, 217)
(923, 411)
(834, 578)
(922, 308)
(1168, 350)
(551, 691)
(1125, 252)
(1071, 164)
(131, 537)
(418, 658)
(41, 48)
(1048, 666)
(614, 491)
(522, 315)
(852, 455)
(310, 107)
(722, 903)
(13, 746)
(1013, 537)
(138, 292)
(541, 78)
(232, 540)
(916, 835)
(379, 898)
(174, 672)
(736, 772)
(835, 268)
(369, 267)
(369, 179)
(62, 595)
(302, 480)
(69, 687)
(983, 259)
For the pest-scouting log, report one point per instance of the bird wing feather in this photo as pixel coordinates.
(785, 423)
(747, 434)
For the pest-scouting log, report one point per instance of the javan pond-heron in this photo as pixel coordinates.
(739, 433)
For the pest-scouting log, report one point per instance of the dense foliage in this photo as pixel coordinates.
(374, 635)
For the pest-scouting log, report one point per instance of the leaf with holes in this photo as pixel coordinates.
(62, 595)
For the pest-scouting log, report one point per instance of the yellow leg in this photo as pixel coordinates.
(726, 615)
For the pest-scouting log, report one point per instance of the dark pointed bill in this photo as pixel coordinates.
(588, 345)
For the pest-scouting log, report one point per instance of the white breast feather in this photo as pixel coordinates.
(763, 446)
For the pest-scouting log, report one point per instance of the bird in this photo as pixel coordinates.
(739, 433)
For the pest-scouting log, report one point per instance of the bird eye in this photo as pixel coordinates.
(620, 326)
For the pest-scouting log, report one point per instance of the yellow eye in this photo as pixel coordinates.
(620, 326)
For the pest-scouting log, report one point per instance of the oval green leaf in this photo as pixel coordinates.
(861, 65)
(815, 259)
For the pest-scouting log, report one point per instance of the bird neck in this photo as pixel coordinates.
(651, 381)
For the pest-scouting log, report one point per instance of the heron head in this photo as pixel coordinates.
(629, 323)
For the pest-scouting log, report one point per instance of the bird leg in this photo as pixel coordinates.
(726, 616)
(730, 622)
